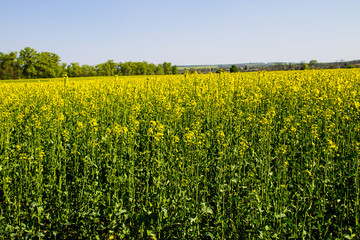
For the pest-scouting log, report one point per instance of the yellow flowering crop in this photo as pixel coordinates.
(257, 155)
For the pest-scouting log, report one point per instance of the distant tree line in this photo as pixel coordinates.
(29, 63)
(313, 64)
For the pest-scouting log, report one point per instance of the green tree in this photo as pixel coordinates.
(234, 69)
(304, 66)
(27, 58)
(63, 67)
(159, 70)
(313, 62)
(9, 66)
(107, 69)
(47, 65)
(126, 68)
(145, 69)
(74, 70)
(141, 68)
(87, 70)
(174, 70)
(167, 68)
(152, 69)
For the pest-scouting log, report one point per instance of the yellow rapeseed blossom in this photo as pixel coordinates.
(201, 138)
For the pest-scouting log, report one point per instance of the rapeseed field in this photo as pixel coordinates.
(261, 155)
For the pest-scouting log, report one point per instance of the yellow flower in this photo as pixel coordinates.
(8, 179)
(175, 139)
(79, 126)
(66, 135)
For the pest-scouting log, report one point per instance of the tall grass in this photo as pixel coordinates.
(268, 155)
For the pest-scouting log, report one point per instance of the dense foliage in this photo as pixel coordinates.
(217, 156)
(32, 64)
(234, 69)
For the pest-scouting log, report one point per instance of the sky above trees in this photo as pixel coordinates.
(184, 32)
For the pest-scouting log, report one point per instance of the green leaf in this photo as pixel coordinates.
(281, 215)
(209, 235)
(205, 209)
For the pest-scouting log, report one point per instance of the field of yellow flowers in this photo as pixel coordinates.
(262, 155)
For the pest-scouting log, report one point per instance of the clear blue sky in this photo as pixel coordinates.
(184, 31)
